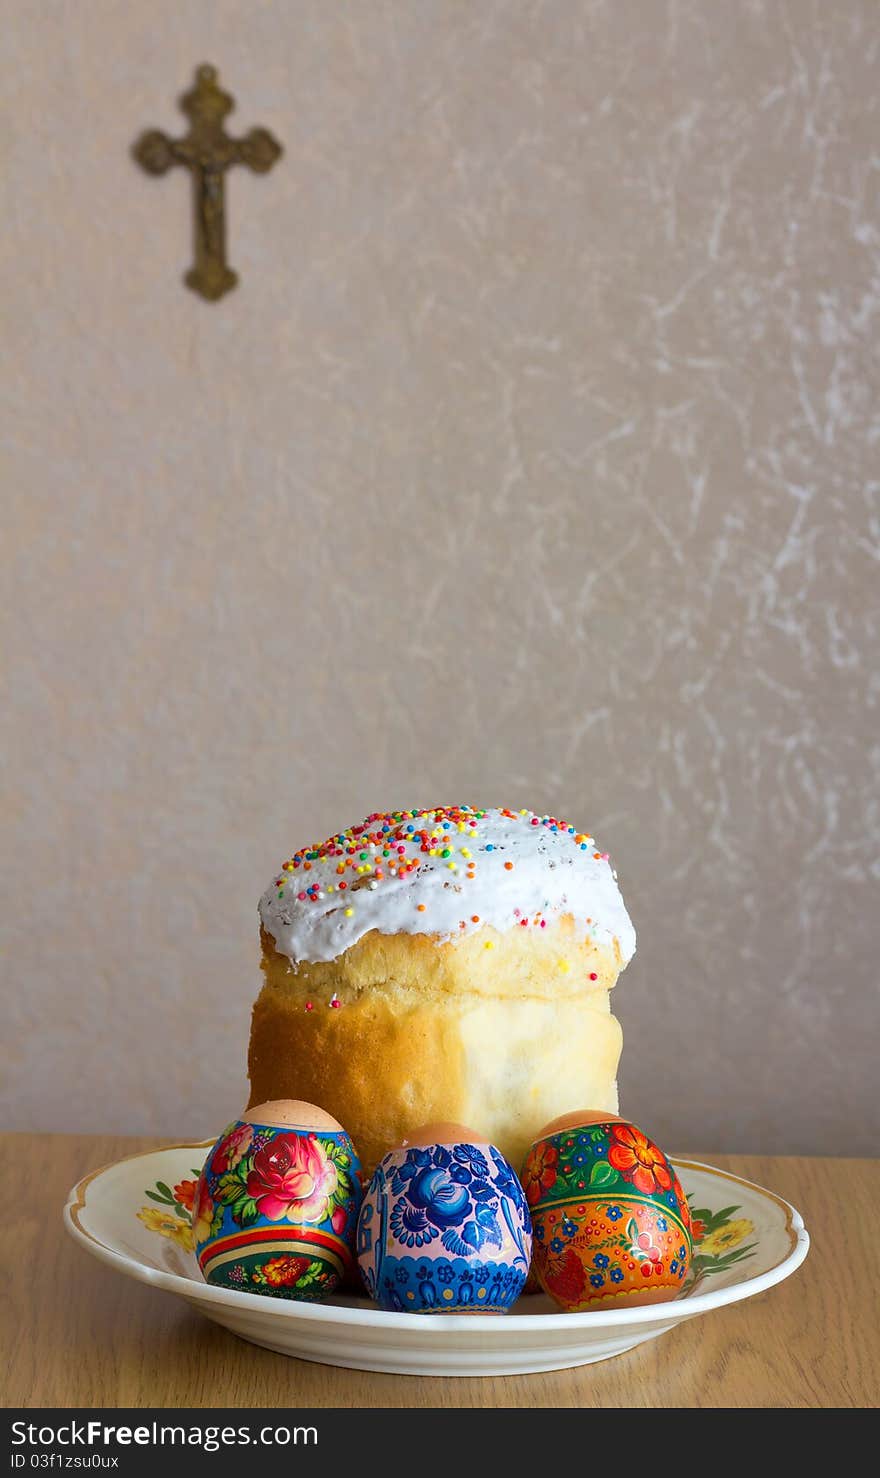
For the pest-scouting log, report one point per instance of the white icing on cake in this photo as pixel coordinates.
(326, 898)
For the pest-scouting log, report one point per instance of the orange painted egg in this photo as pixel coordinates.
(611, 1223)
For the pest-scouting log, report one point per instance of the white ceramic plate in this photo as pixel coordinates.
(750, 1240)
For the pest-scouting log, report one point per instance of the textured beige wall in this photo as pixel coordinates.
(531, 463)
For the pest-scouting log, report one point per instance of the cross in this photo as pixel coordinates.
(208, 151)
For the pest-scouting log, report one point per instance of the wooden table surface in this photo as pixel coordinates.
(75, 1333)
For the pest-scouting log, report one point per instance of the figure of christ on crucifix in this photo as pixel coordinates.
(208, 151)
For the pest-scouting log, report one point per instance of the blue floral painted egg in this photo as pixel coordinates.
(444, 1227)
(276, 1205)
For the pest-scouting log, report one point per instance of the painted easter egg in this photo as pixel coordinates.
(444, 1226)
(276, 1204)
(611, 1222)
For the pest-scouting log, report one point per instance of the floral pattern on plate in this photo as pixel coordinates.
(721, 1239)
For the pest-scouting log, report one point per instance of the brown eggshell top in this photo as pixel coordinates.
(291, 1113)
(577, 1119)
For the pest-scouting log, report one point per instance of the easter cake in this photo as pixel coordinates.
(448, 963)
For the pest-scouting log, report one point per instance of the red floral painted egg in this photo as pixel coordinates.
(275, 1209)
(611, 1223)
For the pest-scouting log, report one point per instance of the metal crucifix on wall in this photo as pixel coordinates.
(208, 151)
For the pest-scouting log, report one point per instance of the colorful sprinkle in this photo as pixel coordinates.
(389, 848)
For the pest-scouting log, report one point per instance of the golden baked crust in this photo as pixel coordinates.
(502, 1030)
